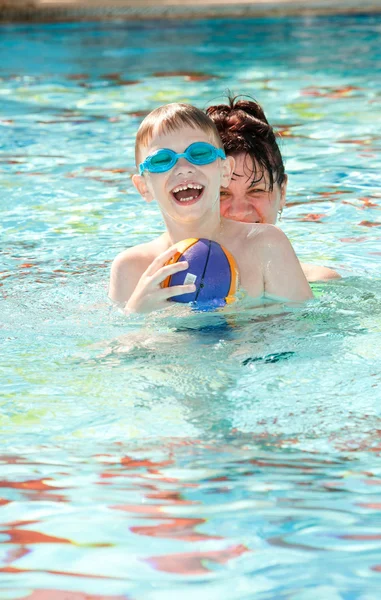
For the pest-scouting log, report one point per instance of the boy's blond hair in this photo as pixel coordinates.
(172, 117)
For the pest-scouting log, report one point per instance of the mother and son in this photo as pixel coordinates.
(219, 176)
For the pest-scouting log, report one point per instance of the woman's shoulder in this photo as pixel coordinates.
(247, 238)
(249, 230)
(265, 233)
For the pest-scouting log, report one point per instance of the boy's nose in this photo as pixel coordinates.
(183, 166)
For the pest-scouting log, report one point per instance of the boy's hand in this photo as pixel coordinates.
(148, 295)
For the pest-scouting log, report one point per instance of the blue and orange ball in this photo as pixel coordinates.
(211, 268)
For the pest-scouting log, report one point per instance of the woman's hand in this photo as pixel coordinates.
(148, 294)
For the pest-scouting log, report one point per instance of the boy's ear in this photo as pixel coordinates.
(227, 170)
(141, 185)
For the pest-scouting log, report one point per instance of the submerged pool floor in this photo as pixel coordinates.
(233, 455)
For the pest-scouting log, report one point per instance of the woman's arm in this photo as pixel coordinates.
(283, 276)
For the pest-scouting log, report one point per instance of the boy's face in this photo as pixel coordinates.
(187, 191)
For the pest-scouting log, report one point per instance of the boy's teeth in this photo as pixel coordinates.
(191, 186)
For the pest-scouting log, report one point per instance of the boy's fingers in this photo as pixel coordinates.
(168, 270)
(161, 260)
(177, 290)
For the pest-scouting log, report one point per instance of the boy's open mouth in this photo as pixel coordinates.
(187, 193)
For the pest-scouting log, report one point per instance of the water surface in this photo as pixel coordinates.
(233, 455)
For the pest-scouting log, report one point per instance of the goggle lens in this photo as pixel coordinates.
(163, 159)
(201, 154)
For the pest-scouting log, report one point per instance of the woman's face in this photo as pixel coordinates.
(248, 201)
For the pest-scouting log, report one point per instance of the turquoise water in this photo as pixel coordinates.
(233, 455)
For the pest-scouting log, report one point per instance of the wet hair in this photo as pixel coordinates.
(243, 128)
(171, 117)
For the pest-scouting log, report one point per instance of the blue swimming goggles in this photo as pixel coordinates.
(199, 153)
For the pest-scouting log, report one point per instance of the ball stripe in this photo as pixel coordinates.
(181, 248)
(209, 243)
(233, 272)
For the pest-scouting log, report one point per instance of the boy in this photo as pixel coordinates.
(182, 166)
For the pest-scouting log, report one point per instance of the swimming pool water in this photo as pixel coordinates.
(233, 455)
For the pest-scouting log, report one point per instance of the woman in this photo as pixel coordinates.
(257, 191)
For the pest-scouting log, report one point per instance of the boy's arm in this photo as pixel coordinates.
(126, 271)
(138, 288)
(283, 276)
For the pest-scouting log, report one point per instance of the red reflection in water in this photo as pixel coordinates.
(179, 529)
(172, 527)
(170, 496)
(15, 554)
(15, 570)
(109, 170)
(369, 224)
(138, 113)
(188, 75)
(77, 76)
(376, 568)
(340, 92)
(152, 470)
(356, 240)
(364, 537)
(87, 173)
(36, 489)
(323, 197)
(367, 202)
(62, 595)
(149, 510)
(118, 80)
(312, 217)
(286, 130)
(195, 563)
(27, 536)
(133, 463)
(360, 142)
(31, 484)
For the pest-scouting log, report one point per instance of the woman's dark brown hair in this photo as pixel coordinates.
(243, 128)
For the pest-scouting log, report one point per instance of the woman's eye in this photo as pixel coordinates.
(224, 193)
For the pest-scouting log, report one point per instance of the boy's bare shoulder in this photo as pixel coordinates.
(129, 265)
(140, 255)
(131, 256)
